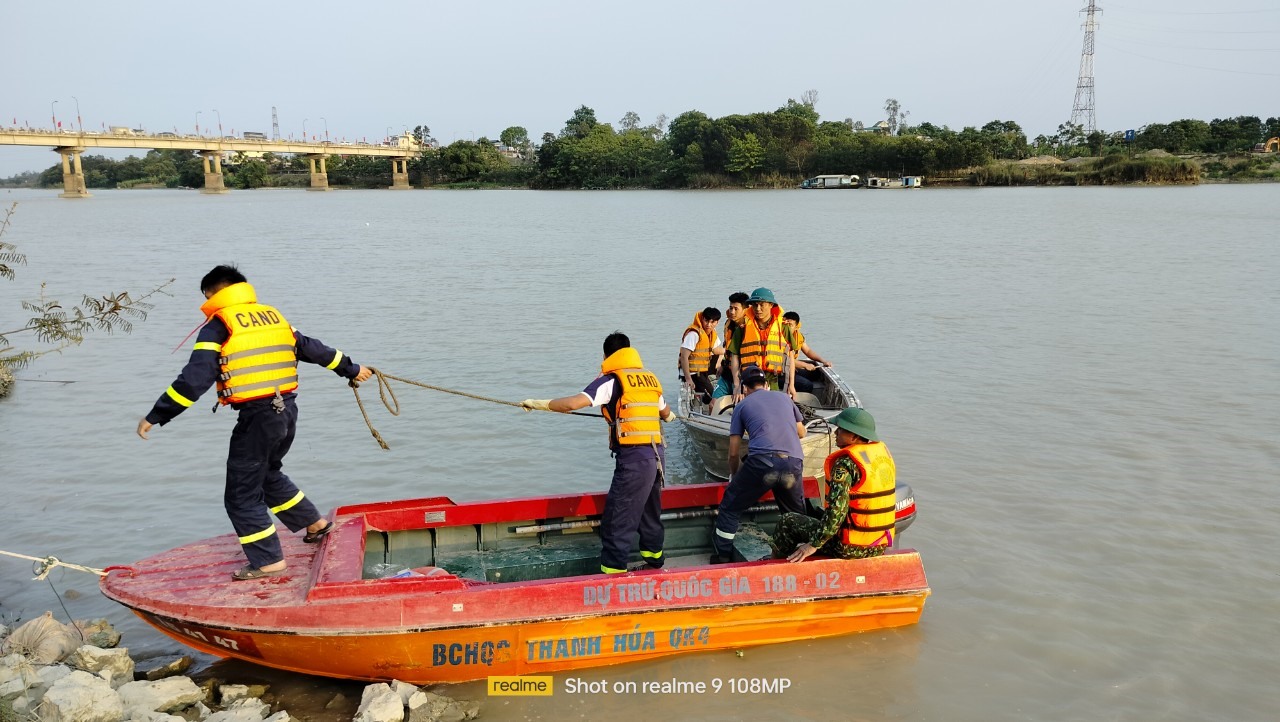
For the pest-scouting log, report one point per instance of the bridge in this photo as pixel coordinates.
(71, 144)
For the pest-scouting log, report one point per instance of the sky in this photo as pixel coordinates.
(469, 70)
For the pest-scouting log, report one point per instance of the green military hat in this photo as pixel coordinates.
(762, 294)
(858, 421)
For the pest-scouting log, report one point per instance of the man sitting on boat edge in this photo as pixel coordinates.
(791, 320)
(861, 499)
(630, 399)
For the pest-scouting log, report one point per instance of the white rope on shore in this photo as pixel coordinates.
(44, 565)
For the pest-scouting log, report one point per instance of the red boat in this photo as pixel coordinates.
(512, 588)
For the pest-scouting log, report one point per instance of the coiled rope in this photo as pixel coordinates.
(392, 404)
(44, 565)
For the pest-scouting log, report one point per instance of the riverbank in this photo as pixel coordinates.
(55, 671)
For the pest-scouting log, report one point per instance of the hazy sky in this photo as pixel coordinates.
(472, 69)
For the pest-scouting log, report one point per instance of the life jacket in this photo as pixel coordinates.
(260, 356)
(700, 357)
(763, 347)
(873, 500)
(634, 417)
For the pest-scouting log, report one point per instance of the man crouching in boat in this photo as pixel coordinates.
(861, 498)
(630, 398)
(775, 459)
(252, 353)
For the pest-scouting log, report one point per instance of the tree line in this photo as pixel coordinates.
(693, 150)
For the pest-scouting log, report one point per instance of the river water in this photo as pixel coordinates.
(1081, 384)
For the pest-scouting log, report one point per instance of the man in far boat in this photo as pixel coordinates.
(763, 340)
(630, 399)
(858, 521)
(700, 350)
(252, 353)
(775, 459)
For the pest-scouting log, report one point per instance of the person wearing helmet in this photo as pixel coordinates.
(861, 502)
(763, 340)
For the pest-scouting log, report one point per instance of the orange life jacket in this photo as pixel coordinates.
(765, 347)
(260, 356)
(635, 417)
(873, 500)
(700, 357)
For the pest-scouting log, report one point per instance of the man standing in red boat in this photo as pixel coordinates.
(630, 399)
(861, 499)
(252, 353)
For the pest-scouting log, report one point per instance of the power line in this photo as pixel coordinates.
(1187, 47)
(1188, 65)
(1197, 30)
(1183, 12)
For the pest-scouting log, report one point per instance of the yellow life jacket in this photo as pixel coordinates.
(700, 357)
(634, 418)
(763, 347)
(873, 500)
(260, 356)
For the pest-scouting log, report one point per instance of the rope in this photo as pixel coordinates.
(47, 564)
(392, 404)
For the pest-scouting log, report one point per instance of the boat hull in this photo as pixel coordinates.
(508, 592)
(469, 653)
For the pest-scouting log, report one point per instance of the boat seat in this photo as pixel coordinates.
(804, 398)
(718, 404)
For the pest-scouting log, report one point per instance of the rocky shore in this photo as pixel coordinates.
(54, 672)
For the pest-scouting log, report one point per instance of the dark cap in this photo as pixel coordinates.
(752, 375)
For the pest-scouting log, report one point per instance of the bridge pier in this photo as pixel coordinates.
(72, 174)
(319, 181)
(399, 174)
(213, 181)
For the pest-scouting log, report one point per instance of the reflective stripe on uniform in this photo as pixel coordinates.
(610, 570)
(255, 352)
(258, 536)
(266, 384)
(288, 504)
(651, 555)
(207, 346)
(178, 398)
(261, 367)
(337, 356)
(725, 534)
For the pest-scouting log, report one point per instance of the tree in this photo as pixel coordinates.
(809, 97)
(52, 323)
(581, 124)
(422, 134)
(745, 154)
(894, 115)
(514, 137)
(630, 121)
(251, 174)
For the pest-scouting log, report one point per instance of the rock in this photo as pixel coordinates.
(229, 693)
(43, 640)
(53, 673)
(281, 716)
(142, 715)
(248, 709)
(113, 665)
(4, 632)
(6, 381)
(378, 703)
(338, 700)
(99, 633)
(431, 707)
(164, 695)
(170, 665)
(404, 689)
(17, 674)
(210, 687)
(81, 697)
